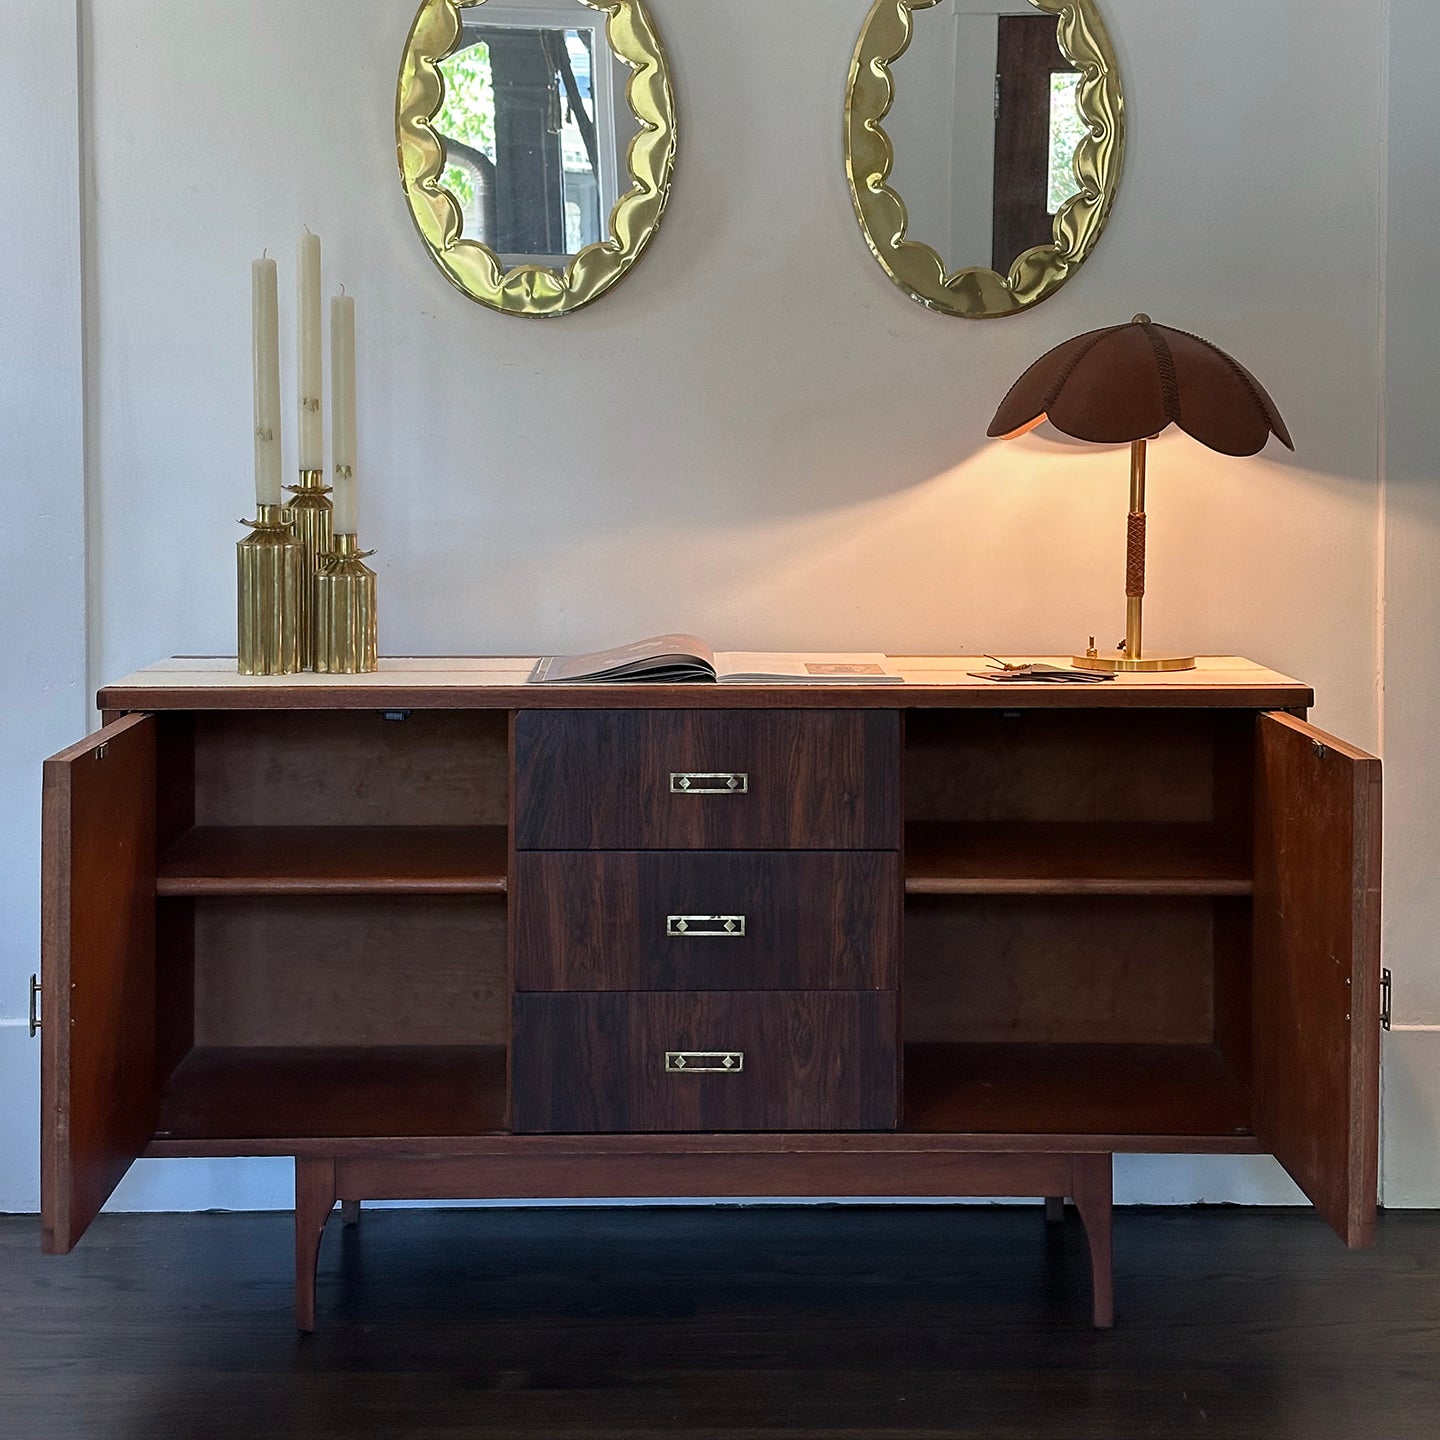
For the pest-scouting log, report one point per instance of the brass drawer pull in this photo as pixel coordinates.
(709, 782)
(697, 927)
(704, 1062)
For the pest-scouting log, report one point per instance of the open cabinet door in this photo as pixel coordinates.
(98, 1084)
(1317, 967)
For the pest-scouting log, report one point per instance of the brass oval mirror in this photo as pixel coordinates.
(1001, 123)
(536, 143)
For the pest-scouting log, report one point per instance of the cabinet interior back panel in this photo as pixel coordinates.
(436, 767)
(1059, 970)
(350, 972)
(1054, 765)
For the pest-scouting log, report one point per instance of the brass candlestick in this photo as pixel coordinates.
(271, 585)
(311, 511)
(345, 611)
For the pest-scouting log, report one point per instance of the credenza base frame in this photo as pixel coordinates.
(321, 1181)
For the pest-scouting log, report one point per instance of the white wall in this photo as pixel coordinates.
(1412, 611)
(756, 436)
(43, 703)
(795, 450)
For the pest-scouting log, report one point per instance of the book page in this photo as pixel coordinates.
(747, 667)
(683, 657)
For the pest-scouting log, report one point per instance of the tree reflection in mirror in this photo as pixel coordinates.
(532, 145)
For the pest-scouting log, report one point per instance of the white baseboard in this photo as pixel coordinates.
(1410, 1120)
(19, 1119)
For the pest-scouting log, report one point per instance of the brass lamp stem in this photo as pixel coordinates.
(1135, 556)
(1132, 659)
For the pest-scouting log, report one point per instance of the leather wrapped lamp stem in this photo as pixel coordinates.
(1132, 658)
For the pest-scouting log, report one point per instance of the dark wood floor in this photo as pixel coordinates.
(916, 1323)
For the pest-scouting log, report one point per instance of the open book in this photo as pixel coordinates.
(682, 659)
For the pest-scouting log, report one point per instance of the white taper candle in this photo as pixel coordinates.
(265, 317)
(311, 365)
(342, 410)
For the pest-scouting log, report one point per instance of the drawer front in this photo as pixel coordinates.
(707, 780)
(726, 920)
(683, 1061)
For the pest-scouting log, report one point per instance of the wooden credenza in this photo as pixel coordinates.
(437, 934)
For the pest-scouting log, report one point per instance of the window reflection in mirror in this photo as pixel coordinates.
(536, 127)
(984, 126)
(1067, 130)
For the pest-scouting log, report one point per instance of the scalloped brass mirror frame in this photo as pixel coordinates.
(535, 291)
(980, 293)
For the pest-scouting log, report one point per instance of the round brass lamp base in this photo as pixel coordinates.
(1121, 664)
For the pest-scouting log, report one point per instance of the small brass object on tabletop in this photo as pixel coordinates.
(271, 587)
(311, 512)
(345, 623)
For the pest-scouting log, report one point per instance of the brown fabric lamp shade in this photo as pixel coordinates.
(1130, 382)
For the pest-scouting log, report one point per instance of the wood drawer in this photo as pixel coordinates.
(683, 1061)
(707, 780)
(728, 920)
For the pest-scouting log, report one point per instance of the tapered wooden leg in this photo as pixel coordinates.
(1094, 1198)
(314, 1200)
(1054, 1209)
(350, 1211)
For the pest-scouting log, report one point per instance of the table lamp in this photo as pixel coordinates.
(1126, 384)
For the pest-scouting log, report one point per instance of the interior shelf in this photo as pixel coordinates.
(336, 860)
(275, 1094)
(1145, 1091)
(1073, 858)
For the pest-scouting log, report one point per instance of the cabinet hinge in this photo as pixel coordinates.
(1386, 989)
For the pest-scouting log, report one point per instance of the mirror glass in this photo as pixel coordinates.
(536, 128)
(985, 125)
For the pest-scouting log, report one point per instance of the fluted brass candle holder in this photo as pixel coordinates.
(345, 611)
(271, 587)
(311, 511)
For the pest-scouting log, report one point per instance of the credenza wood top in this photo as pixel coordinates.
(498, 683)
